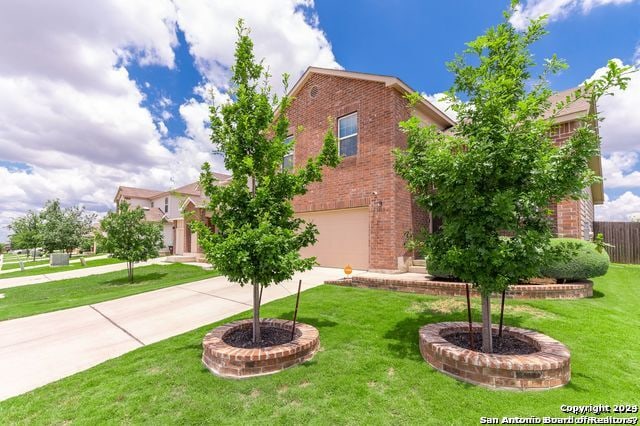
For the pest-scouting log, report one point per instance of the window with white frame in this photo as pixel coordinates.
(348, 135)
(287, 161)
(166, 204)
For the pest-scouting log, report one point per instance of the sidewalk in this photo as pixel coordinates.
(43, 348)
(84, 272)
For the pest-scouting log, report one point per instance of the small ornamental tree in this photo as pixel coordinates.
(64, 228)
(493, 177)
(257, 239)
(27, 232)
(129, 237)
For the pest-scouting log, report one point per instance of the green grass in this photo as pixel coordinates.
(6, 266)
(369, 370)
(53, 269)
(39, 261)
(17, 257)
(55, 295)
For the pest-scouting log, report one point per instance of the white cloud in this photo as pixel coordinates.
(620, 209)
(621, 170)
(636, 55)
(443, 105)
(620, 131)
(283, 35)
(621, 128)
(556, 9)
(71, 111)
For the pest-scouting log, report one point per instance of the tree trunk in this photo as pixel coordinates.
(487, 338)
(34, 254)
(256, 312)
(130, 271)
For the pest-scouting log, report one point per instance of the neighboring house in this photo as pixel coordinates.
(169, 208)
(362, 209)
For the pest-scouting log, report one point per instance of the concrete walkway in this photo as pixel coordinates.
(75, 273)
(43, 348)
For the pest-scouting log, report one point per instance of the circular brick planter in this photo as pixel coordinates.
(546, 369)
(229, 361)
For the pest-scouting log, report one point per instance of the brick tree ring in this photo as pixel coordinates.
(225, 360)
(547, 368)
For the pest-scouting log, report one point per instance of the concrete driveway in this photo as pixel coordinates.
(43, 348)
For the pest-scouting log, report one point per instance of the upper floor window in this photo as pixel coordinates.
(287, 161)
(348, 135)
(166, 204)
(152, 204)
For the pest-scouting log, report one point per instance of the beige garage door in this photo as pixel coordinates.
(343, 238)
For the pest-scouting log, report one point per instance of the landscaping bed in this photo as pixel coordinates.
(369, 369)
(411, 283)
(535, 362)
(226, 356)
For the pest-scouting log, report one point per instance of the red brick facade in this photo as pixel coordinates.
(368, 178)
(572, 218)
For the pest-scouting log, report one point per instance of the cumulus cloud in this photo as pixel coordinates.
(286, 34)
(620, 131)
(72, 121)
(556, 9)
(443, 105)
(622, 208)
(621, 170)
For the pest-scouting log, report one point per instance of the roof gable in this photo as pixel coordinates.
(389, 81)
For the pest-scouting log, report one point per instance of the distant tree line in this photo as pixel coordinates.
(53, 228)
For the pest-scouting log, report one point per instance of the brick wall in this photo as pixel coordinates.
(364, 180)
(572, 218)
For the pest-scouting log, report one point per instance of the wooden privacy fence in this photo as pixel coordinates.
(625, 236)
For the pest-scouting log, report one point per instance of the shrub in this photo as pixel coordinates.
(581, 260)
(436, 270)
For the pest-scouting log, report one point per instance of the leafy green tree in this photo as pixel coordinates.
(64, 228)
(27, 232)
(129, 237)
(497, 171)
(257, 238)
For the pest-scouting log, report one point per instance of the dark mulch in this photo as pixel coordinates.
(271, 336)
(505, 345)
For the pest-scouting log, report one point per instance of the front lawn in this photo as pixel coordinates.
(10, 257)
(45, 269)
(55, 295)
(369, 370)
(16, 265)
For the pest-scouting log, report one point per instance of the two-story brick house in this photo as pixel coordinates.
(362, 209)
(168, 208)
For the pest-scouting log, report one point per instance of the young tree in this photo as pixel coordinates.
(499, 169)
(257, 238)
(27, 232)
(129, 237)
(64, 228)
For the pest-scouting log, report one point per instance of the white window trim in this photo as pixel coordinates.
(340, 138)
(166, 204)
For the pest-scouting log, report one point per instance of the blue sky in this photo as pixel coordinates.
(117, 91)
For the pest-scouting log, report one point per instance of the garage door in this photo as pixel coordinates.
(343, 237)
